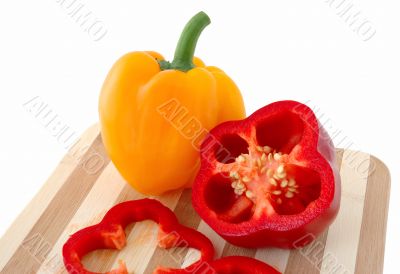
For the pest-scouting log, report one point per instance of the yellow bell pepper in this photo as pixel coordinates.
(154, 113)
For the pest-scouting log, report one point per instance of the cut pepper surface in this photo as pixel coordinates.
(270, 179)
(240, 265)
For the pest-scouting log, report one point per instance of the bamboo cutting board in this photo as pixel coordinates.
(86, 184)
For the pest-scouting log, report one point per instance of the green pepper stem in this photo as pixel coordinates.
(184, 52)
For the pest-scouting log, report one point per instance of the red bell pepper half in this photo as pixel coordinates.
(109, 233)
(270, 179)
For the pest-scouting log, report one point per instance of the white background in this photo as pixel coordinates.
(301, 50)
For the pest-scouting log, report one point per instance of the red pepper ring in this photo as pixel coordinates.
(241, 265)
(110, 234)
(270, 179)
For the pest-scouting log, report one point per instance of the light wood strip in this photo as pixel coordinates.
(90, 212)
(275, 257)
(20, 228)
(57, 215)
(343, 236)
(373, 228)
(193, 255)
(218, 242)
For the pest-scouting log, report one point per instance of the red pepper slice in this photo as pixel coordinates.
(109, 233)
(270, 179)
(241, 265)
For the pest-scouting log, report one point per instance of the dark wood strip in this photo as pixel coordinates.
(308, 260)
(371, 247)
(174, 257)
(232, 250)
(31, 253)
(339, 158)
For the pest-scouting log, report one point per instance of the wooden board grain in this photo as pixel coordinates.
(86, 184)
